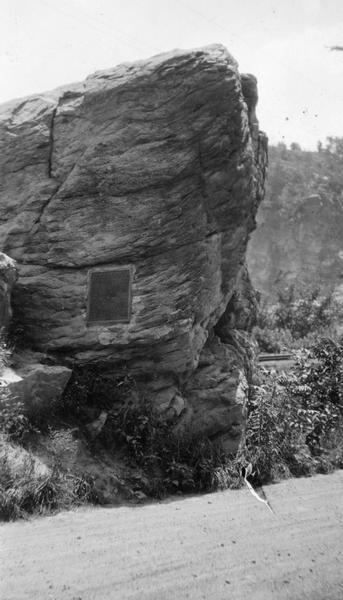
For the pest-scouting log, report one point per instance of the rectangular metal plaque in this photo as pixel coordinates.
(109, 296)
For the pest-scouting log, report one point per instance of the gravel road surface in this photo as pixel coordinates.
(219, 546)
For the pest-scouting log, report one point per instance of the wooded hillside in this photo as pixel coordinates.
(299, 237)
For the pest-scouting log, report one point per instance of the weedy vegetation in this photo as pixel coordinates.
(164, 462)
(24, 490)
(294, 428)
(295, 422)
(26, 486)
(297, 320)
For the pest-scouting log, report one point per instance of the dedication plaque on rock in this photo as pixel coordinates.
(109, 296)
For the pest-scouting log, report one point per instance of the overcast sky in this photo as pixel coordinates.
(47, 43)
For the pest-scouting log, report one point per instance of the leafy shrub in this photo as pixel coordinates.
(5, 354)
(296, 320)
(295, 420)
(13, 420)
(276, 431)
(303, 311)
(317, 383)
(170, 463)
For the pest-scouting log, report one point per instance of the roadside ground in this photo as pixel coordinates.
(219, 546)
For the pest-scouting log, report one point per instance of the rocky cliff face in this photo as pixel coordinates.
(299, 239)
(304, 249)
(127, 202)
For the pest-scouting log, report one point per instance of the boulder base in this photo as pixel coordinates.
(37, 387)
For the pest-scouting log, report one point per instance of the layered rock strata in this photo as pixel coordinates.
(154, 168)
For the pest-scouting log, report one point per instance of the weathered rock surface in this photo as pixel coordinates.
(8, 276)
(158, 166)
(216, 396)
(35, 385)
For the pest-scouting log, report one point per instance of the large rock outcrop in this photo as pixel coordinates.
(155, 168)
